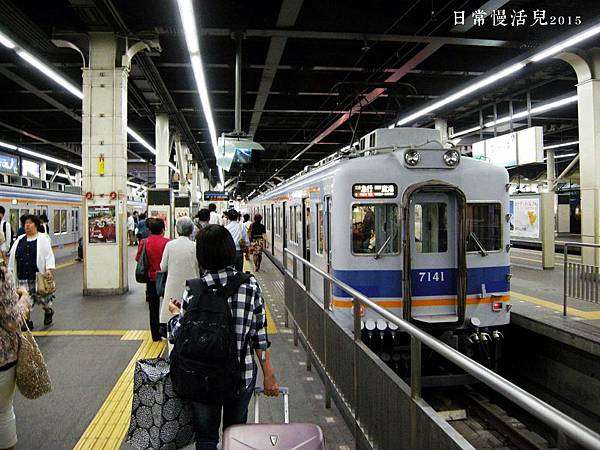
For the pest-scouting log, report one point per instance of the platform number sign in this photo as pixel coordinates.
(369, 190)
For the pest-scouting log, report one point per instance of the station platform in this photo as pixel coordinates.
(91, 350)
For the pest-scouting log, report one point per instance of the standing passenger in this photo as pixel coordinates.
(7, 230)
(214, 217)
(14, 306)
(32, 253)
(21, 229)
(203, 219)
(130, 229)
(240, 237)
(155, 246)
(180, 262)
(216, 253)
(44, 225)
(258, 240)
(142, 232)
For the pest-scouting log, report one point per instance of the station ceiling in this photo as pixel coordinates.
(306, 64)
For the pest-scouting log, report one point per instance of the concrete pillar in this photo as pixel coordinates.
(104, 137)
(587, 68)
(194, 193)
(43, 171)
(442, 126)
(78, 179)
(181, 158)
(163, 151)
(547, 214)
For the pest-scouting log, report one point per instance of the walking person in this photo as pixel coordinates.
(44, 225)
(155, 246)
(201, 221)
(215, 249)
(180, 262)
(7, 231)
(239, 235)
(214, 217)
(130, 229)
(258, 240)
(14, 306)
(142, 228)
(32, 253)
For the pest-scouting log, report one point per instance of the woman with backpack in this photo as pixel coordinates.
(222, 309)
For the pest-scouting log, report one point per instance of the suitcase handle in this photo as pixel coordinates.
(286, 404)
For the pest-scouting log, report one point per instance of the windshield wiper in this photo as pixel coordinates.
(387, 241)
(478, 243)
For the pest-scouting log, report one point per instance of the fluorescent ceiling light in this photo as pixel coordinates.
(46, 70)
(566, 43)
(6, 41)
(566, 144)
(463, 92)
(538, 109)
(467, 131)
(141, 140)
(567, 155)
(48, 158)
(9, 146)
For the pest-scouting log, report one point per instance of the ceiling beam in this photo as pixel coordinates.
(288, 13)
(362, 37)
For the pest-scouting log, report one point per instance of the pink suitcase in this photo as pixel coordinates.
(286, 436)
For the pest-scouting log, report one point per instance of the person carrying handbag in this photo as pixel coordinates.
(31, 263)
(240, 237)
(14, 306)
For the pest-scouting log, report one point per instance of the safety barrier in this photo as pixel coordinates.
(581, 281)
(386, 412)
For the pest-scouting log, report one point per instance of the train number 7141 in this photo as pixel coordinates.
(431, 276)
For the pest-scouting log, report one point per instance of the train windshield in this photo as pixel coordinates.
(483, 221)
(375, 229)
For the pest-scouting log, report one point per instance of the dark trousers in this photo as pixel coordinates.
(207, 418)
(154, 307)
(239, 261)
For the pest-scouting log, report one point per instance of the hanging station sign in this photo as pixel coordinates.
(9, 164)
(216, 196)
(367, 190)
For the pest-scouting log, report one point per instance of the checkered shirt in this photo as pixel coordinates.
(248, 313)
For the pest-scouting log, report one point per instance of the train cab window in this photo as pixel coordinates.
(483, 225)
(375, 229)
(320, 232)
(431, 228)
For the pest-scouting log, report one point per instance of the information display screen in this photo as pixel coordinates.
(9, 164)
(367, 190)
(217, 196)
(30, 168)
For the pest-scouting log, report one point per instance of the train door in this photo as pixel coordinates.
(273, 225)
(328, 232)
(306, 236)
(284, 231)
(435, 290)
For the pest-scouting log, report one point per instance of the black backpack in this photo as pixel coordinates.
(205, 363)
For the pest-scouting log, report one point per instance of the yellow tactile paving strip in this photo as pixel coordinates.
(590, 315)
(107, 429)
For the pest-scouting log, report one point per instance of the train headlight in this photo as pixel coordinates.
(412, 157)
(451, 158)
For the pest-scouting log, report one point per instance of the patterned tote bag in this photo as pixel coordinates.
(159, 419)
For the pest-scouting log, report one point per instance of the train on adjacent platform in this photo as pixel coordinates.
(409, 222)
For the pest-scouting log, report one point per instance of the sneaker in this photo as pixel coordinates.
(48, 316)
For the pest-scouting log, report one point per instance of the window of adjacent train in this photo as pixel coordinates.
(56, 221)
(375, 229)
(320, 233)
(431, 228)
(63, 220)
(483, 221)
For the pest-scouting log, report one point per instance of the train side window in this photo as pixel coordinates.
(320, 233)
(14, 221)
(484, 221)
(56, 221)
(431, 228)
(63, 220)
(375, 229)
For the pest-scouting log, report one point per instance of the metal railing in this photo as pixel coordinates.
(580, 281)
(339, 364)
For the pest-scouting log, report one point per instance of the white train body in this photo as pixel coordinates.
(428, 241)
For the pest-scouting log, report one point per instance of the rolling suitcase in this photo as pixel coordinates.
(286, 436)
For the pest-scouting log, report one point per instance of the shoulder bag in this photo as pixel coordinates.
(243, 246)
(141, 269)
(32, 376)
(161, 283)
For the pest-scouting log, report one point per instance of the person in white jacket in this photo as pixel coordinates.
(30, 254)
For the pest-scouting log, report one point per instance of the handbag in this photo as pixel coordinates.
(44, 286)
(141, 268)
(243, 246)
(32, 376)
(159, 419)
(161, 283)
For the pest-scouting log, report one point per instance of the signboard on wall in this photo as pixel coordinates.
(30, 168)
(216, 196)
(9, 164)
(366, 190)
(161, 212)
(511, 149)
(525, 217)
(102, 224)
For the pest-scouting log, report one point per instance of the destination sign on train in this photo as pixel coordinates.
(374, 190)
(217, 196)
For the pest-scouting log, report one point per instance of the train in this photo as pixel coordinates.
(62, 204)
(411, 223)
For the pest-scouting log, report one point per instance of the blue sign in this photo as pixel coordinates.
(9, 164)
(217, 196)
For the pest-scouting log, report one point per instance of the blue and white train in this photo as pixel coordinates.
(410, 223)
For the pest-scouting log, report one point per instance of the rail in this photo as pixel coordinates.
(565, 425)
(580, 281)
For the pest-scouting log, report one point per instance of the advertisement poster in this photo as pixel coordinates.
(525, 220)
(161, 212)
(181, 211)
(102, 223)
(9, 164)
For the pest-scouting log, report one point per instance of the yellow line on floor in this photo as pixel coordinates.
(66, 264)
(80, 333)
(271, 325)
(590, 315)
(108, 428)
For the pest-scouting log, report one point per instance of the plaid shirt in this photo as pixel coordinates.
(247, 310)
